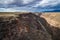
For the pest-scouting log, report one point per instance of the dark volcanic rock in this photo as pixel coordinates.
(24, 27)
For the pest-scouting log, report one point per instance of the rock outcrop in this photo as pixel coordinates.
(24, 27)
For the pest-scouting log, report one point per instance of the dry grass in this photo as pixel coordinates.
(52, 18)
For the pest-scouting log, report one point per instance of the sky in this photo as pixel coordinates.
(29, 5)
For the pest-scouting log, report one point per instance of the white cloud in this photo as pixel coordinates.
(16, 9)
(8, 10)
(6, 1)
(12, 1)
(41, 3)
(27, 1)
(11, 10)
(44, 3)
(20, 5)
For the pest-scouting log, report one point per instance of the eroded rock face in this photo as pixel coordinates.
(24, 27)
